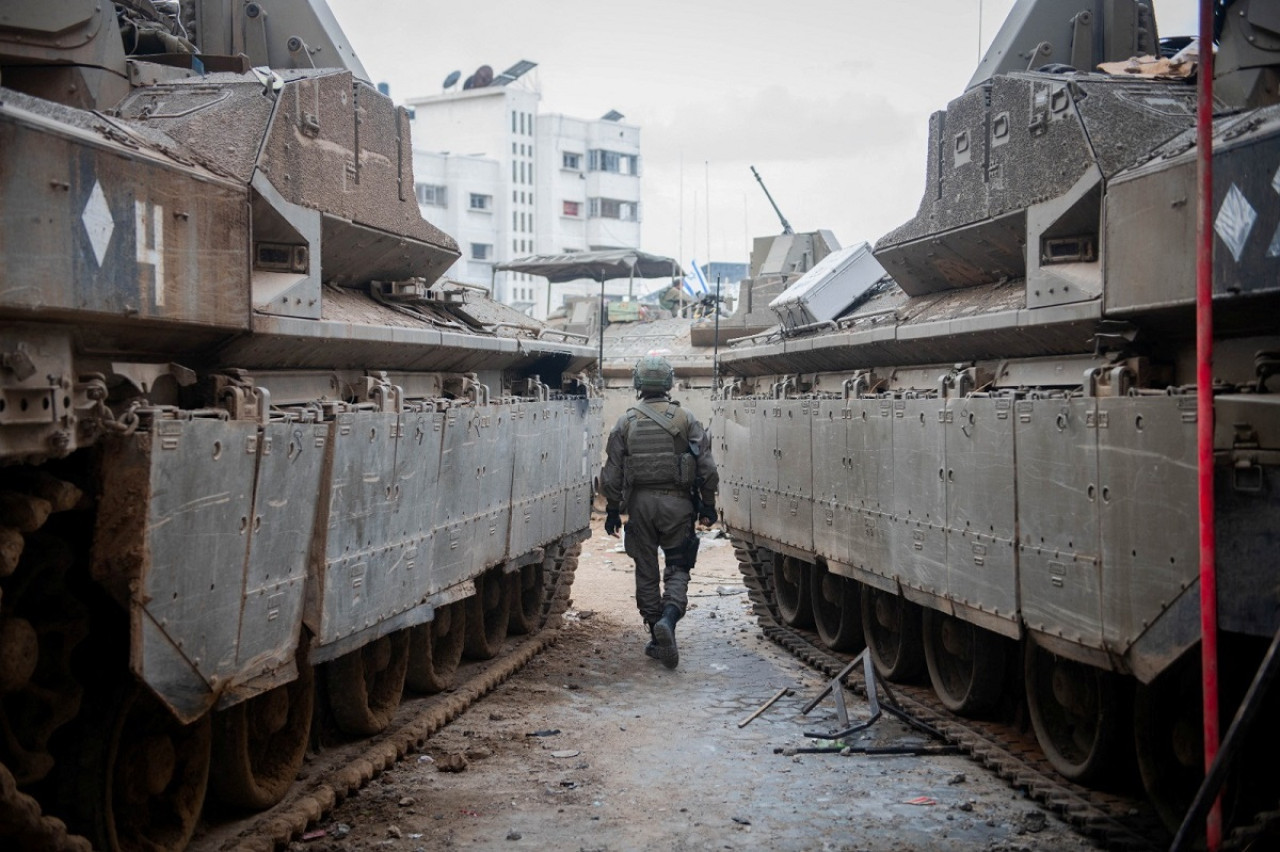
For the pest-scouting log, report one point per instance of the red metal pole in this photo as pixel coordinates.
(1204, 409)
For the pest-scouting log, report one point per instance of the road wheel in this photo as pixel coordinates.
(259, 744)
(528, 594)
(791, 591)
(966, 664)
(365, 685)
(837, 609)
(488, 614)
(435, 649)
(891, 625)
(1079, 713)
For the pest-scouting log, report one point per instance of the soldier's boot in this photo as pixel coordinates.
(664, 636)
(651, 650)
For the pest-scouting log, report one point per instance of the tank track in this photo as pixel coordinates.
(22, 820)
(24, 513)
(345, 769)
(1111, 820)
(350, 768)
(562, 558)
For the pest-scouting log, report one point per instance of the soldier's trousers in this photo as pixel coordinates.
(661, 519)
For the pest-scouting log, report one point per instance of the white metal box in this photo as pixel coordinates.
(824, 292)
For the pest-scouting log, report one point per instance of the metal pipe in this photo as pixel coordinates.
(765, 706)
(1204, 409)
(1240, 726)
(807, 327)
(600, 366)
(566, 335)
(715, 351)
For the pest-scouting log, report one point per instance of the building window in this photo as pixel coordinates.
(481, 251)
(612, 208)
(430, 194)
(513, 122)
(571, 161)
(611, 161)
(573, 208)
(481, 202)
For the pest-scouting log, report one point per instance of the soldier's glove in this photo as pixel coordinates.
(707, 514)
(612, 521)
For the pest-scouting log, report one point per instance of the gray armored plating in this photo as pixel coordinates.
(247, 429)
(989, 453)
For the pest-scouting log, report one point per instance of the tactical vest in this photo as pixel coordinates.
(655, 457)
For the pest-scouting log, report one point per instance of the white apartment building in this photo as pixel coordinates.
(507, 183)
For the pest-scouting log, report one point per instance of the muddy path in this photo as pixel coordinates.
(593, 746)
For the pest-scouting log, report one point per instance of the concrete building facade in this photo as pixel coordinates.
(507, 183)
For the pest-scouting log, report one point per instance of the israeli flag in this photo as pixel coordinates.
(695, 283)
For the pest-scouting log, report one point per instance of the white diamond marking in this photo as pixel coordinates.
(97, 222)
(1235, 220)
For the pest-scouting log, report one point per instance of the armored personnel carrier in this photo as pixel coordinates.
(248, 434)
(983, 464)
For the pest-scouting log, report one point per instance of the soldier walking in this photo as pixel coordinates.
(659, 470)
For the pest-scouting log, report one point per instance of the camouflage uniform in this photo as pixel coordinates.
(658, 515)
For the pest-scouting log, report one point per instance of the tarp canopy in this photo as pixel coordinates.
(596, 265)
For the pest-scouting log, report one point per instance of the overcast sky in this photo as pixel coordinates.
(828, 99)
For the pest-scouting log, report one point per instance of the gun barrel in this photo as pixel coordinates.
(786, 226)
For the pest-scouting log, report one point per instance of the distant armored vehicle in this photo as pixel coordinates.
(984, 465)
(246, 432)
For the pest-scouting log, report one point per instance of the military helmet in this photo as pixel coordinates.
(653, 373)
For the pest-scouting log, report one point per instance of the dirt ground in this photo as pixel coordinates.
(594, 746)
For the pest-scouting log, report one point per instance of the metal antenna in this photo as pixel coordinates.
(786, 226)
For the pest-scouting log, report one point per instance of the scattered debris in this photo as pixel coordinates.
(452, 763)
(741, 820)
(958, 778)
(922, 800)
(394, 831)
(765, 706)
(1159, 68)
(570, 752)
(513, 835)
(545, 732)
(315, 835)
(406, 801)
